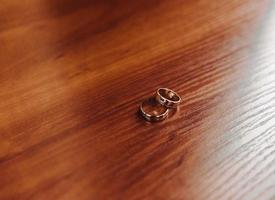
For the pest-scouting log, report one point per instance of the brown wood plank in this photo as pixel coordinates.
(72, 74)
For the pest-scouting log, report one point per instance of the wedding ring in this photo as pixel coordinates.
(168, 98)
(156, 112)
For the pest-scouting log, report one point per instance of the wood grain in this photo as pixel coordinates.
(72, 74)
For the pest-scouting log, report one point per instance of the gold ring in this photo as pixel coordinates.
(154, 115)
(168, 98)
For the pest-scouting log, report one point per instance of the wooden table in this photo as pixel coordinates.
(72, 74)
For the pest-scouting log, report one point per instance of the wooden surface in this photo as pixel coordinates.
(72, 74)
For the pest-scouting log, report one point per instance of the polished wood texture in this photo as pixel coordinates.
(72, 74)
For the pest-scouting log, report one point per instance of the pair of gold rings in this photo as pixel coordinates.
(157, 108)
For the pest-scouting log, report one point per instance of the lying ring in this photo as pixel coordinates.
(154, 115)
(168, 98)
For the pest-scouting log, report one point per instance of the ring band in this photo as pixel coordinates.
(168, 98)
(153, 117)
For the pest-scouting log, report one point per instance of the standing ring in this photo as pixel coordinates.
(168, 98)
